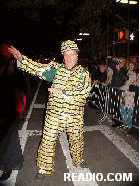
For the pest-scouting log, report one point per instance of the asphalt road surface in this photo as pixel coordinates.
(112, 156)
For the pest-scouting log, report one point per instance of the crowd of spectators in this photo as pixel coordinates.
(122, 75)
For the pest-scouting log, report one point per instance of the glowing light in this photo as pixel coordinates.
(132, 36)
(84, 34)
(126, 1)
(121, 35)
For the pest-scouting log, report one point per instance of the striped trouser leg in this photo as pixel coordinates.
(75, 133)
(46, 151)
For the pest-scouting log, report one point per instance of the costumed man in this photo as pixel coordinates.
(65, 108)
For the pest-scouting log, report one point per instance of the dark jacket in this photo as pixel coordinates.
(102, 77)
(119, 77)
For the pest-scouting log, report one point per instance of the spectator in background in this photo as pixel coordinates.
(97, 98)
(136, 81)
(109, 74)
(118, 79)
(102, 74)
(95, 71)
(119, 76)
(10, 152)
(128, 104)
(131, 76)
(134, 87)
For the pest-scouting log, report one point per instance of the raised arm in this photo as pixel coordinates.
(15, 53)
(29, 65)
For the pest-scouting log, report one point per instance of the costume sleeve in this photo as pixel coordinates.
(34, 68)
(81, 92)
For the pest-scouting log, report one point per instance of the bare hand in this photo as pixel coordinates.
(104, 84)
(15, 53)
(95, 82)
(55, 90)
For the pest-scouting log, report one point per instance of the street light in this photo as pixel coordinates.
(79, 39)
(84, 34)
(126, 1)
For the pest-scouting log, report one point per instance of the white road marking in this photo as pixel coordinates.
(12, 180)
(72, 169)
(23, 135)
(39, 105)
(123, 146)
(31, 108)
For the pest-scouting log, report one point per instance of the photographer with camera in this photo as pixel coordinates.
(119, 72)
(119, 77)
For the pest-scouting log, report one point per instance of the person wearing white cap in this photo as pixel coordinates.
(71, 86)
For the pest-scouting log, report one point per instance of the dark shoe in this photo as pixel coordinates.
(116, 124)
(39, 177)
(5, 175)
(84, 165)
(128, 129)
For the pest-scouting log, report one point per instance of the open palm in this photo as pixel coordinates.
(15, 52)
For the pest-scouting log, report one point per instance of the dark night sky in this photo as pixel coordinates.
(39, 27)
(36, 28)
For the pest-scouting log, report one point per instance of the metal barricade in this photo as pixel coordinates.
(116, 104)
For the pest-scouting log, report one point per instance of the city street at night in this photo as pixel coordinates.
(106, 150)
(69, 80)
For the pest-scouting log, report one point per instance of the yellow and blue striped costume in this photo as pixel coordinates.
(64, 111)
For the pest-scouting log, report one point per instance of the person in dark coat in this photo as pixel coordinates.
(101, 72)
(10, 152)
(98, 99)
(118, 80)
